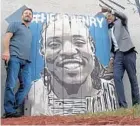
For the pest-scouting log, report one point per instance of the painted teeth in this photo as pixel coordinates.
(71, 65)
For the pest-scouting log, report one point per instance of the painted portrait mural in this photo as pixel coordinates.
(70, 57)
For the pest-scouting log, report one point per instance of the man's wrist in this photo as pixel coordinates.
(6, 51)
(112, 58)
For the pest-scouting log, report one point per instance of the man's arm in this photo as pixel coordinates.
(6, 42)
(111, 55)
(12, 28)
(121, 16)
(111, 59)
(118, 14)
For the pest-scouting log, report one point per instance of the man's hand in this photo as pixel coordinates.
(111, 62)
(105, 9)
(6, 56)
(6, 41)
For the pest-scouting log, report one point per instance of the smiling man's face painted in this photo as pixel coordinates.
(68, 51)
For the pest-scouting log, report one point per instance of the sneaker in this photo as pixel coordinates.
(4, 116)
(12, 115)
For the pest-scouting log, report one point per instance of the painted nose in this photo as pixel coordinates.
(68, 49)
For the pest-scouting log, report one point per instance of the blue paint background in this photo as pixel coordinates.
(101, 39)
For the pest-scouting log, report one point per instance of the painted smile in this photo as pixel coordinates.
(71, 63)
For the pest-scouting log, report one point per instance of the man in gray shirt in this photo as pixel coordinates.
(17, 52)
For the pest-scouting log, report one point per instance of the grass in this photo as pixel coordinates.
(132, 111)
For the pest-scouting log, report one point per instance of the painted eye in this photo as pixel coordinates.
(79, 42)
(54, 45)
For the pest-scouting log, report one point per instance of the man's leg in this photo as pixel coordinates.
(118, 78)
(130, 65)
(25, 79)
(11, 81)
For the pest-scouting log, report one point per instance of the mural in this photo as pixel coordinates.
(73, 78)
(70, 56)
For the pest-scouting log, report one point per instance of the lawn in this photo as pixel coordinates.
(130, 116)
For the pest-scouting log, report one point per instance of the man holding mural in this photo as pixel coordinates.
(72, 82)
(17, 57)
(123, 55)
